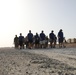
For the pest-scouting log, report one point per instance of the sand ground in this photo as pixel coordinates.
(38, 61)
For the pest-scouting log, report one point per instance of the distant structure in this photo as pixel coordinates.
(71, 40)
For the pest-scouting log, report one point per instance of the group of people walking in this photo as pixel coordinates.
(39, 40)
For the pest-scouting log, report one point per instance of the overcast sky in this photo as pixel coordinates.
(20, 16)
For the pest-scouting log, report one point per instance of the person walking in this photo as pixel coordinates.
(52, 39)
(42, 39)
(61, 38)
(16, 41)
(30, 39)
(37, 40)
(21, 41)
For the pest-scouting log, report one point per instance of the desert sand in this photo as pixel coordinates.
(57, 61)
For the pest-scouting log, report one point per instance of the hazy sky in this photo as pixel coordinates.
(20, 16)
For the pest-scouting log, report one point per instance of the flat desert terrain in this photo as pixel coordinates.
(57, 61)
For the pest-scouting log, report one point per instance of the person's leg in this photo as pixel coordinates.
(29, 46)
(54, 44)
